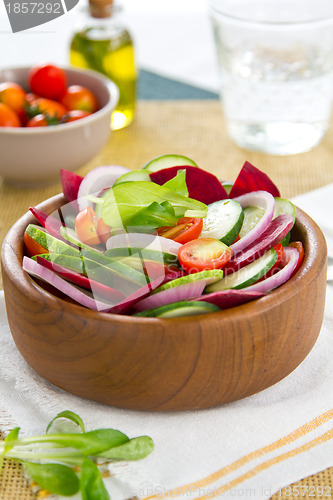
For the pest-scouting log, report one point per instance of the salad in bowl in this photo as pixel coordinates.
(168, 240)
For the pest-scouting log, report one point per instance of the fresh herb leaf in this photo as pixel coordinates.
(155, 215)
(68, 415)
(123, 201)
(178, 183)
(11, 437)
(91, 482)
(55, 478)
(134, 449)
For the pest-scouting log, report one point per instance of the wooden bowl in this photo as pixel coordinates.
(166, 364)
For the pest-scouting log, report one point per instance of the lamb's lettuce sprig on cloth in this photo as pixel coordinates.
(65, 463)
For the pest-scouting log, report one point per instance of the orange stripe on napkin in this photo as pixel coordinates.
(269, 463)
(212, 478)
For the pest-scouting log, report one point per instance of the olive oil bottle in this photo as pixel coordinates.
(102, 43)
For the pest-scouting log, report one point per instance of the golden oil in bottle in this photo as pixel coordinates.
(103, 44)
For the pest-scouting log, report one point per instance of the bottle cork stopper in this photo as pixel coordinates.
(101, 8)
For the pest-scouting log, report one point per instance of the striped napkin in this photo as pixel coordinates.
(250, 448)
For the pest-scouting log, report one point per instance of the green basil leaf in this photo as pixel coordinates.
(91, 482)
(68, 415)
(134, 449)
(55, 478)
(123, 201)
(149, 218)
(178, 183)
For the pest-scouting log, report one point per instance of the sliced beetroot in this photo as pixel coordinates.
(50, 223)
(70, 184)
(275, 232)
(249, 179)
(201, 185)
(95, 287)
(230, 298)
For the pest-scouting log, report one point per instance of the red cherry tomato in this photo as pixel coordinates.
(33, 248)
(299, 247)
(38, 121)
(76, 114)
(103, 230)
(187, 229)
(78, 97)
(86, 227)
(13, 96)
(47, 81)
(204, 253)
(8, 117)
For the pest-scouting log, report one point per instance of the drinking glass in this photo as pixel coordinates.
(275, 60)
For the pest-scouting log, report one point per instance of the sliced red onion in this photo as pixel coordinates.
(96, 180)
(230, 298)
(261, 199)
(181, 292)
(32, 267)
(97, 288)
(289, 262)
(132, 299)
(143, 240)
(274, 232)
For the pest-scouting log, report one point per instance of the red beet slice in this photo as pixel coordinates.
(249, 179)
(50, 223)
(70, 184)
(201, 185)
(230, 298)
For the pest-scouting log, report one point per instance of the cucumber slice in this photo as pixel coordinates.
(285, 241)
(167, 161)
(178, 309)
(145, 253)
(247, 275)
(134, 175)
(49, 242)
(227, 186)
(252, 215)
(210, 276)
(223, 221)
(68, 261)
(283, 206)
(70, 235)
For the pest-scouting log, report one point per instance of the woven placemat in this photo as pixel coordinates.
(195, 129)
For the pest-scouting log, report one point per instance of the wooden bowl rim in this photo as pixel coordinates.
(315, 258)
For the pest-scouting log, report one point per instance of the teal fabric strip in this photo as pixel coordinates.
(156, 87)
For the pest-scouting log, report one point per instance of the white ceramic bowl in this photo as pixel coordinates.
(33, 156)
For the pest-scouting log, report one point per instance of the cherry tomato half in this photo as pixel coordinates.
(204, 253)
(103, 230)
(8, 117)
(78, 97)
(33, 248)
(47, 81)
(299, 247)
(187, 229)
(86, 226)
